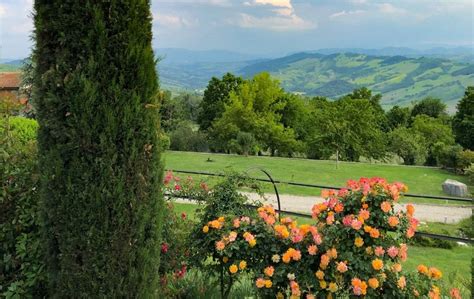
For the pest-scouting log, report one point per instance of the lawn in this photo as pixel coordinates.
(454, 263)
(420, 180)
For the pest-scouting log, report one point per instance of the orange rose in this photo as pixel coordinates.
(422, 269)
(377, 264)
(269, 271)
(374, 233)
(410, 210)
(233, 269)
(435, 273)
(260, 283)
(386, 206)
(393, 221)
(373, 283)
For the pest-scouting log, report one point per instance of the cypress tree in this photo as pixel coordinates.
(95, 87)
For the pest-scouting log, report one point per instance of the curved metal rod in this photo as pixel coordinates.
(274, 187)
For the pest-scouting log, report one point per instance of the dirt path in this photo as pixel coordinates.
(424, 212)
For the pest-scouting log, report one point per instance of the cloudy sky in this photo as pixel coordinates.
(281, 26)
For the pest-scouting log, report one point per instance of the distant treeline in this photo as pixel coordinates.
(257, 117)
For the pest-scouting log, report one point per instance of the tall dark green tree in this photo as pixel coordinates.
(96, 97)
(216, 95)
(398, 117)
(429, 106)
(463, 121)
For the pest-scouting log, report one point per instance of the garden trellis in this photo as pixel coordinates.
(275, 182)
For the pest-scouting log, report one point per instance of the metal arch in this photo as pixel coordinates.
(274, 187)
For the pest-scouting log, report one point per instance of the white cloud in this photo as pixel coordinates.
(389, 8)
(3, 11)
(276, 23)
(346, 13)
(175, 21)
(278, 3)
(285, 18)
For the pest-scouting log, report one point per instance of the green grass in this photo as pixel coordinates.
(420, 180)
(454, 263)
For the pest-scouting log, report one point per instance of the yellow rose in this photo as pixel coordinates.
(358, 242)
(205, 229)
(332, 287)
(242, 265)
(252, 242)
(268, 283)
(319, 274)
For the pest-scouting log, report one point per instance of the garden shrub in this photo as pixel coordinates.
(176, 187)
(354, 248)
(184, 138)
(174, 249)
(22, 272)
(225, 199)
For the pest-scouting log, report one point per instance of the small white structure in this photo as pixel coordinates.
(454, 188)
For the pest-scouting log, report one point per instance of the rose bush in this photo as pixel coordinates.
(176, 187)
(355, 247)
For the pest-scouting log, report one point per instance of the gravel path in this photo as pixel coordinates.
(423, 212)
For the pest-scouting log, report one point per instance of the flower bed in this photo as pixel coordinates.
(354, 248)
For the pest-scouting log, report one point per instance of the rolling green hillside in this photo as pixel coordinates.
(401, 80)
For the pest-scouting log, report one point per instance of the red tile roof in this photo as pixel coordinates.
(10, 80)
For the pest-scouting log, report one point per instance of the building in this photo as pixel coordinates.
(10, 89)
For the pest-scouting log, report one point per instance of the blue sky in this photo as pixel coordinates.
(280, 26)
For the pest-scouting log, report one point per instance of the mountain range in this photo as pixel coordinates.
(334, 72)
(401, 75)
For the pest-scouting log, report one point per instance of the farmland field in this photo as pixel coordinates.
(420, 180)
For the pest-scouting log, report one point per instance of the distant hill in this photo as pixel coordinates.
(399, 79)
(460, 54)
(184, 56)
(402, 75)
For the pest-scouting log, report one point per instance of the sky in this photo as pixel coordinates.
(280, 26)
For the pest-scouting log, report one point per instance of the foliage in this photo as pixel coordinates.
(467, 227)
(453, 156)
(177, 109)
(185, 138)
(26, 86)
(22, 272)
(463, 121)
(95, 90)
(429, 106)
(244, 144)
(398, 117)
(216, 96)
(354, 248)
(346, 127)
(434, 131)
(254, 109)
(174, 247)
(409, 145)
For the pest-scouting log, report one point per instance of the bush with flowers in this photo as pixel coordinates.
(214, 243)
(355, 248)
(174, 247)
(176, 187)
